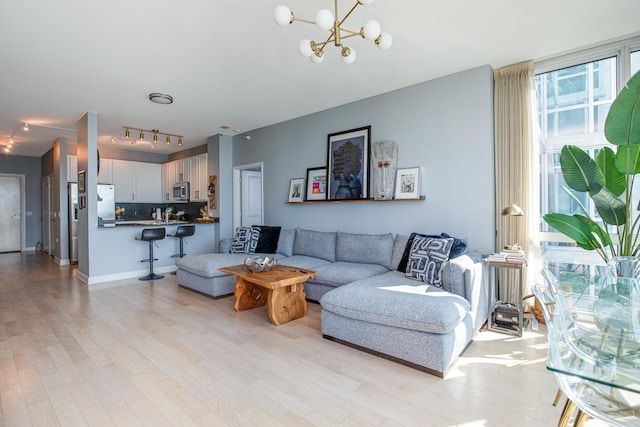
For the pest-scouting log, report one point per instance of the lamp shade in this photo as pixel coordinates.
(282, 15)
(371, 30)
(513, 210)
(384, 41)
(325, 19)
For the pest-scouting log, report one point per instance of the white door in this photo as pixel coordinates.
(10, 214)
(251, 198)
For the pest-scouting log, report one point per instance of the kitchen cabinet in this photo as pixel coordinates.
(105, 176)
(168, 179)
(198, 179)
(72, 168)
(137, 182)
(182, 170)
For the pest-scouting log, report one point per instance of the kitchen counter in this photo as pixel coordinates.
(120, 253)
(157, 223)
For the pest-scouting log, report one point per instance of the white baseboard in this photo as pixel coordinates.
(61, 261)
(94, 280)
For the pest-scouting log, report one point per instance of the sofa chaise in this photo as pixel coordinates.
(366, 302)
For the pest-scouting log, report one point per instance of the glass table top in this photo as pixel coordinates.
(595, 332)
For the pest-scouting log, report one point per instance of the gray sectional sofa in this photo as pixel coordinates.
(366, 302)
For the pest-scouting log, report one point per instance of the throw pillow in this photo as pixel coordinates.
(407, 250)
(426, 259)
(268, 240)
(245, 240)
(459, 246)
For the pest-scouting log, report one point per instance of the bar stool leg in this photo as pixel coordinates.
(151, 275)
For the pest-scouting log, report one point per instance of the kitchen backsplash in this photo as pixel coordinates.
(143, 211)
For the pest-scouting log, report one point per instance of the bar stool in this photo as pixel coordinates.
(181, 232)
(151, 235)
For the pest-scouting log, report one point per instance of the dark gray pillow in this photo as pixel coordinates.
(364, 248)
(317, 244)
(285, 242)
(459, 246)
(426, 259)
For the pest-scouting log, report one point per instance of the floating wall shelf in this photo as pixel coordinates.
(316, 202)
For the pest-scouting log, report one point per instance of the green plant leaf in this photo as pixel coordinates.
(627, 159)
(622, 126)
(578, 169)
(583, 230)
(611, 209)
(613, 178)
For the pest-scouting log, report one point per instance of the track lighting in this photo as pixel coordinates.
(155, 133)
(25, 127)
(10, 141)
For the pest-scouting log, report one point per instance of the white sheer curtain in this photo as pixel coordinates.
(516, 168)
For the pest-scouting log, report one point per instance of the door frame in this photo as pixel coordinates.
(237, 171)
(23, 219)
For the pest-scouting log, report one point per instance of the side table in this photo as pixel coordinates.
(504, 309)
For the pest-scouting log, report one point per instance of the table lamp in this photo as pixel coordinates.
(513, 210)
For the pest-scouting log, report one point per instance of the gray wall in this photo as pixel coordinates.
(30, 167)
(445, 126)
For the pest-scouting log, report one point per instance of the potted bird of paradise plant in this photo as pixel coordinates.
(608, 179)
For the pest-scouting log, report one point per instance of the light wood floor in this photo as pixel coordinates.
(135, 353)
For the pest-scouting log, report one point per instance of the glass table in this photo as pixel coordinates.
(595, 345)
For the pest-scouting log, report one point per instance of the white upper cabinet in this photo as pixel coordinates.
(72, 168)
(198, 177)
(105, 176)
(137, 182)
(168, 179)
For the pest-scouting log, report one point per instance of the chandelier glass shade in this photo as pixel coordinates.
(327, 20)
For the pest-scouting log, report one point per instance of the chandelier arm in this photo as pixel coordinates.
(351, 32)
(348, 13)
(323, 44)
(306, 21)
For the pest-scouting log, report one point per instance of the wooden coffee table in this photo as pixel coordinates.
(281, 289)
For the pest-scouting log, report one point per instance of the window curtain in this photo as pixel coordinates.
(516, 171)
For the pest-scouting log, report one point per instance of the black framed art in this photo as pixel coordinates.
(348, 164)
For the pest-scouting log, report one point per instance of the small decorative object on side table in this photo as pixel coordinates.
(505, 316)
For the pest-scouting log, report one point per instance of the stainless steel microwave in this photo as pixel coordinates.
(181, 191)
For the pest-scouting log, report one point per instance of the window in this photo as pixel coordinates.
(574, 94)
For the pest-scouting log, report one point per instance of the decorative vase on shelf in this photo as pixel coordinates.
(383, 169)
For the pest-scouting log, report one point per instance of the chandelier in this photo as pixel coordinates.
(329, 21)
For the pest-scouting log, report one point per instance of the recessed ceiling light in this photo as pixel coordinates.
(160, 98)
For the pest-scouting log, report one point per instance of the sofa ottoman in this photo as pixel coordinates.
(405, 320)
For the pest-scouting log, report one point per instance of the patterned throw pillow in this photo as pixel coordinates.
(245, 240)
(426, 259)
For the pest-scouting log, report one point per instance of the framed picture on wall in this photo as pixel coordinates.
(408, 183)
(317, 183)
(348, 164)
(296, 187)
(82, 186)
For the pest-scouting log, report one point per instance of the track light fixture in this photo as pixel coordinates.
(329, 21)
(25, 127)
(155, 133)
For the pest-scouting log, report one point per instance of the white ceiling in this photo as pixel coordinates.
(226, 62)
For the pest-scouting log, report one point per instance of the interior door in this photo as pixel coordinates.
(251, 198)
(10, 214)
